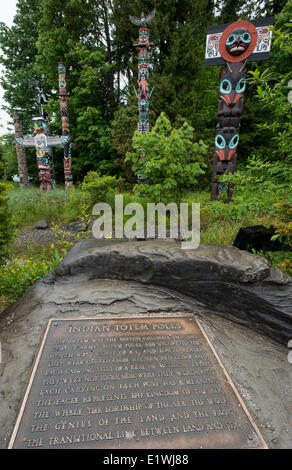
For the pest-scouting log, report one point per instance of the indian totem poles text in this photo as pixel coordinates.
(65, 125)
(233, 45)
(143, 94)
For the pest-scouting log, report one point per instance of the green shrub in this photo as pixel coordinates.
(283, 222)
(171, 160)
(98, 188)
(20, 273)
(7, 228)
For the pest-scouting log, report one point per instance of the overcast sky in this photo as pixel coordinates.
(7, 12)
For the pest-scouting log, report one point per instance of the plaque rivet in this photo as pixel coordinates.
(55, 324)
(250, 437)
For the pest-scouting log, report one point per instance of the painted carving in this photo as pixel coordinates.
(42, 143)
(65, 125)
(143, 94)
(233, 45)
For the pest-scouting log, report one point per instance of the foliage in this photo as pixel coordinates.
(272, 92)
(123, 127)
(98, 188)
(7, 227)
(73, 31)
(281, 259)
(8, 156)
(171, 159)
(262, 121)
(17, 56)
(19, 274)
(31, 205)
(92, 132)
(283, 223)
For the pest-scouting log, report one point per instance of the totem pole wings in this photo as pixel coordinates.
(26, 141)
(42, 141)
(143, 21)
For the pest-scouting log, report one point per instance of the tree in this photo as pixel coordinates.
(77, 33)
(20, 151)
(171, 159)
(183, 87)
(18, 51)
(7, 228)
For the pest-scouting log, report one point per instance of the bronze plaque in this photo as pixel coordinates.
(126, 383)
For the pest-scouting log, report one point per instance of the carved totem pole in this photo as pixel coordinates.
(143, 94)
(42, 141)
(233, 45)
(65, 124)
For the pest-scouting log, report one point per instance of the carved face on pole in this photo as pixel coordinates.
(226, 142)
(39, 124)
(238, 41)
(144, 35)
(232, 87)
(63, 102)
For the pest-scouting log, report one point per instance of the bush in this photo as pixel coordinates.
(19, 274)
(283, 222)
(171, 160)
(7, 228)
(98, 188)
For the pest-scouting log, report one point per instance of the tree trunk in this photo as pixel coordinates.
(20, 151)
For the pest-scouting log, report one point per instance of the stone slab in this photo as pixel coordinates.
(134, 382)
(242, 286)
(257, 363)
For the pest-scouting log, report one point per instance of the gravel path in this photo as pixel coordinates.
(45, 236)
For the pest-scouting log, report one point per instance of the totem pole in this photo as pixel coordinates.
(65, 125)
(143, 94)
(233, 45)
(41, 140)
(43, 143)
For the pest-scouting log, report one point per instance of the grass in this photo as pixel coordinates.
(219, 225)
(31, 205)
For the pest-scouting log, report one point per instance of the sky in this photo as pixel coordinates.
(7, 12)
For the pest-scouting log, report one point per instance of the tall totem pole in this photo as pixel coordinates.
(42, 141)
(233, 45)
(143, 94)
(65, 124)
(43, 144)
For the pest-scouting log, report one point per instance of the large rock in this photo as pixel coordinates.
(257, 365)
(238, 284)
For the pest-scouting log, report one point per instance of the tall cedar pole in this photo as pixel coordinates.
(63, 95)
(20, 152)
(143, 94)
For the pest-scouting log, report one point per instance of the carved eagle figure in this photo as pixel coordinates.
(42, 141)
(143, 21)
